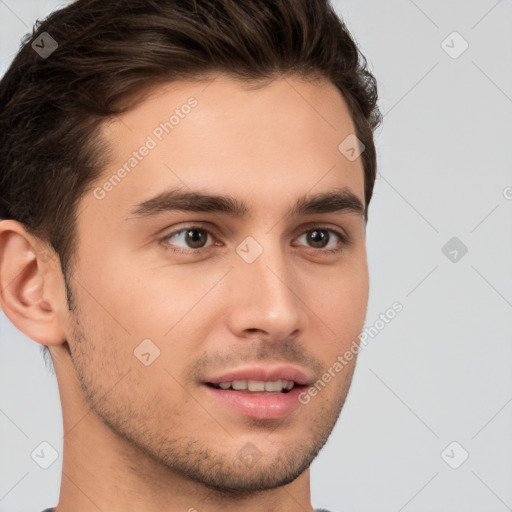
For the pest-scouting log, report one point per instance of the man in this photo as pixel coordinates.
(185, 189)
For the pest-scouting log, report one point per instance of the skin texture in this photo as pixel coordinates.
(151, 438)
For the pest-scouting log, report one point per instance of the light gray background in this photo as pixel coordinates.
(440, 371)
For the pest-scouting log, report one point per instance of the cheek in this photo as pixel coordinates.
(143, 301)
(341, 304)
(174, 308)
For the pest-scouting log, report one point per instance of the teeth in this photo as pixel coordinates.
(256, 385)
(239, 384)
(276, 386)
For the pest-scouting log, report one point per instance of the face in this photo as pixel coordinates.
(230, 253)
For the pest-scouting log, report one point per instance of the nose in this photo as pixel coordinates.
(266, 298)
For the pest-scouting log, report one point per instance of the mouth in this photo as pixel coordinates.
(258, 392)
(257, 386)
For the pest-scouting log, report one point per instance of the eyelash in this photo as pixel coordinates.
(344, 240)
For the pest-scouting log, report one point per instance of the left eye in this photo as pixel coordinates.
(319, 238)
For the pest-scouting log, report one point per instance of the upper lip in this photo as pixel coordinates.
(262, 373)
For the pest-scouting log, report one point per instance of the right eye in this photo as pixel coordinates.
(192, 237)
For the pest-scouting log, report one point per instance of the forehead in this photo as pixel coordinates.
(268, 144)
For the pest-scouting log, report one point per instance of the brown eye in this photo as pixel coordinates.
(318, 238)
(326, 240)
(196, 238)
(191, 238)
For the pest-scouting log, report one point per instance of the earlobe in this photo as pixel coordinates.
(23, 275)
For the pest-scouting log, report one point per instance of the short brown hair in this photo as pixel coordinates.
(51, 108)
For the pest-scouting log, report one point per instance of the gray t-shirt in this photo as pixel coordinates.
(316, 510)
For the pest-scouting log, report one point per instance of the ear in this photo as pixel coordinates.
(30, 293)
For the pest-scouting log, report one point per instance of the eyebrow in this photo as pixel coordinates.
(340, 200)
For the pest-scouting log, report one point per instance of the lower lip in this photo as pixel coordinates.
(259, 405)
